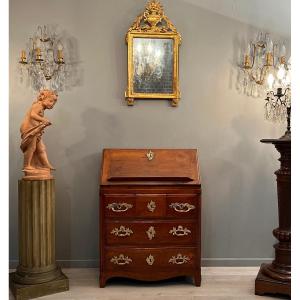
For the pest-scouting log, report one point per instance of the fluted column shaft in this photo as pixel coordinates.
(36, 232)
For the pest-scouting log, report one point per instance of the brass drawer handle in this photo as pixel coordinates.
(151, 206)
(121, 260)
(182, 207)
(151, 233)
(179, 231)
(119, 207)
(122, 231)
(150, 260)
(179, 259)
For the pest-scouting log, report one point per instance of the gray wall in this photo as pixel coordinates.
(239, 191)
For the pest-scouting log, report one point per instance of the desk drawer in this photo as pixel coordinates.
(142, 206)
(151, 206)
(151, 233)
(182, 206)
(150, 259)
(119, 205)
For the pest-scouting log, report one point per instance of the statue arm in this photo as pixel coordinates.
(35, 115)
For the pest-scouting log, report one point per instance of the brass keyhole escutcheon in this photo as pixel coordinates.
(150, 155)
(151, 206)
(150, 260)
(151, 233)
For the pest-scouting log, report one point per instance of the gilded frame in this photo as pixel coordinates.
(153, 24)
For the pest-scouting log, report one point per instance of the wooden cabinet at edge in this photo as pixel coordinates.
(150, 214)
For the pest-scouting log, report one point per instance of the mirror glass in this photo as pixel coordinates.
(153, 65)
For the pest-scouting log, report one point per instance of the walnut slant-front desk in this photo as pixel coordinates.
(150, 214)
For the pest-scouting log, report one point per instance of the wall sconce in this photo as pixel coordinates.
(262, 58)
(43, 63)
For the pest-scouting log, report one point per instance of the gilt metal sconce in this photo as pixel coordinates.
(262, 59)
(267, 71)
(42, 63)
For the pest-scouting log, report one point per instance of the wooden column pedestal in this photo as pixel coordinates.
(37, 274)
(275, 278)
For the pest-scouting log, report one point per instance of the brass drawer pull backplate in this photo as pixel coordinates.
(119, 207)
(121, 260)
(182, 207)
(179, 231)
(122, 231)
(179, 259)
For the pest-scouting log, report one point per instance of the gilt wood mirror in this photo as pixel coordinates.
(153, 44)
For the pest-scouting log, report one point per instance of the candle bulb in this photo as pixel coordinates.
(247, 58)
(23, 59)
(287, 79)
(38, 54)
(281, 73)
(269, 46)
(248, 52)
(23, 54)
(59, 46)
(60, 56)
(259, 38)
(282, 54)
(45, 33)
(38, 43)
(270, 81)
(269, 53)
(283, 50)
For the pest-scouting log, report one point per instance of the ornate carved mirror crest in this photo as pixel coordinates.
(153, 44)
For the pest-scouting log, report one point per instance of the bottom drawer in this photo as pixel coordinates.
(127, 259)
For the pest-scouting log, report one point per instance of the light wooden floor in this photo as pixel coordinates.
(224, 283)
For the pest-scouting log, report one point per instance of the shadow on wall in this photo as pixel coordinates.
(74, 71)
(239, 46)
(77, 197)
(75, 74)
(242, 194)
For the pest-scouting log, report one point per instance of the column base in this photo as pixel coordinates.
(30, 291)
(268, 285)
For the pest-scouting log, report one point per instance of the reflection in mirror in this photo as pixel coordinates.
(153, 65)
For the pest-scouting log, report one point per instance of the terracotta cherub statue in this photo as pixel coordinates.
(36, 163)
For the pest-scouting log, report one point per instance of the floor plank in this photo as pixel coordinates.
(218, 283)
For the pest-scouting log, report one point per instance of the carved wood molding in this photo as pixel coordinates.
(153, 20)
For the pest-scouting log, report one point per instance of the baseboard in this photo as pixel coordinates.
(234, 262)
(206, 262)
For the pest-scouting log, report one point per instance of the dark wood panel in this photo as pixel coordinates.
(167, 165)
(154, 189)
(150, 259)
(151, 276)
(151, 233)
(150, 205)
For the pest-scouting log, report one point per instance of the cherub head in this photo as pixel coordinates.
(48, 98)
